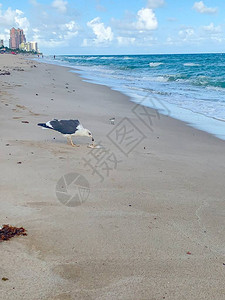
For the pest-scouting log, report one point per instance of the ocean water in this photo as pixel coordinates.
(189, 87)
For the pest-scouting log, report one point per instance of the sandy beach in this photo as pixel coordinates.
(150, 222)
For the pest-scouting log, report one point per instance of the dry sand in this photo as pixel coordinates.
(153, 228)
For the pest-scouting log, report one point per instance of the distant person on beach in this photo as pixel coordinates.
(54, 56)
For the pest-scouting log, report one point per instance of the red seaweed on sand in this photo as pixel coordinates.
(7, 232)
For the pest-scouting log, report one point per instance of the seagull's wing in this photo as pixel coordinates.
(64, 126)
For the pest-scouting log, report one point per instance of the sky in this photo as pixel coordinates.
(117, 27)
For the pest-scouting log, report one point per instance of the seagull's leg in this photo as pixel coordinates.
(71, 141)
(68, 140)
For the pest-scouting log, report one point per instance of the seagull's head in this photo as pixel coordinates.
(89, 134)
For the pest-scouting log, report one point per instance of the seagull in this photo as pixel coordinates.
(68, 128)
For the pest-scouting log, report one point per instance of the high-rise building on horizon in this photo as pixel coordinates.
(29, 46)
(34, 46)
(1, 43)
(16, 38)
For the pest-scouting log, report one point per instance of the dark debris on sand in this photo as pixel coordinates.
(7, 232)
(4, 72)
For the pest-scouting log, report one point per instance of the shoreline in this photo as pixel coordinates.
(197, 120)
(152, 228)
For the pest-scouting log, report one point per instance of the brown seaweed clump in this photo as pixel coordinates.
(7, 232)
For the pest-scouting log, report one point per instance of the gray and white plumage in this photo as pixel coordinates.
(68, 128)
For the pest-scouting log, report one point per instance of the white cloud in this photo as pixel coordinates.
(124, 41)
(211, 28)
(155, 3)
(186, 34)
(212, 32)
(70, 30)
(103, 34)
(85, 43)
(146, 19)
(5, 36)
(36, 30)
(72, 25)
(34, 2)
(202, 9)
(69, 35)
(22, 22)
(60, 5)
(10, 18)
(51, 43)
(169, 40)
(7, 17)
(217, 39)
(136, 29)
(60, 34)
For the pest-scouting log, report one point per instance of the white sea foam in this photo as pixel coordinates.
(108, 57)
(155, 64)
(215, 88)
(154, 79)
(90, 58)
(161, 79)
(191, 65)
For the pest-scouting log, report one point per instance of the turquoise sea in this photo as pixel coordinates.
(189, 87)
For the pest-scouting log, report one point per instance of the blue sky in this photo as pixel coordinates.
(117, 27)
